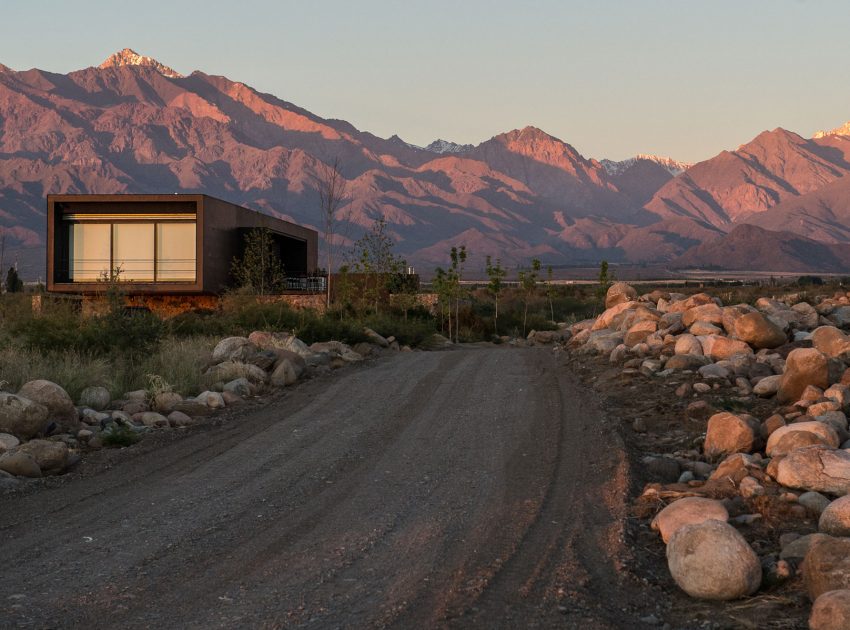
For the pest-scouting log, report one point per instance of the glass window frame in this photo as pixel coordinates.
(155, 224)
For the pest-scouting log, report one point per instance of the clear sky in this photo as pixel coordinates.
(684, 78)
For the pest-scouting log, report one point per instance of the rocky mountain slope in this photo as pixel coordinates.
(135, 125)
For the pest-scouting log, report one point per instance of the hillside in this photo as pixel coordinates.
(135, 125)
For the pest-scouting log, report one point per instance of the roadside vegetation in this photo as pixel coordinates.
(121, 348)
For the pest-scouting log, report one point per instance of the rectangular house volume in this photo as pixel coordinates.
(161, 243)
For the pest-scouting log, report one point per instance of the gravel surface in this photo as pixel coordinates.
(480, 487)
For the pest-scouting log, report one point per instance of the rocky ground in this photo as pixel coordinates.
(736, 416)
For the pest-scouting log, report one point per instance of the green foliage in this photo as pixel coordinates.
(809, 280)
(496, 275)
(374, 258)
(119, 436)
(259, 271)
(528, 282)
(14, 284)
(605, 281)
(447, 284)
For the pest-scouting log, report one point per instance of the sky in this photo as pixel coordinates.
(681, 78)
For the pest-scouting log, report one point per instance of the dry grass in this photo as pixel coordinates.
(179, 362)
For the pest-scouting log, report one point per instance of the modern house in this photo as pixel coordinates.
(162, 244)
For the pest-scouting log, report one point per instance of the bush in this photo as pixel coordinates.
(119, 436)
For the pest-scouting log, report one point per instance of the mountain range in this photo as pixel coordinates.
(134, 125)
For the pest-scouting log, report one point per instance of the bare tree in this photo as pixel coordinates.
(332, 189)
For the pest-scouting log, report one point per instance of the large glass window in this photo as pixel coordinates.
(175, 251)
(132, 251)
(155, 251)
(89, 251)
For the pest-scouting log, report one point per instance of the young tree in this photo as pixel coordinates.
(14, 284)
(260, 269)
(458, 258)
(375, 259)
(528, 283)
(550, 292)
(605, 282)
(332, 188)
(496, 274)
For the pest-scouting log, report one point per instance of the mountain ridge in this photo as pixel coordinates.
(137, 125)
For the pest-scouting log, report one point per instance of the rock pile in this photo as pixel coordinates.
(42, 431)
(785, 355)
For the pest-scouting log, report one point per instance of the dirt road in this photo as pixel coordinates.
(478, 487)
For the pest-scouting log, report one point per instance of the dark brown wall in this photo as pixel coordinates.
(220, 237)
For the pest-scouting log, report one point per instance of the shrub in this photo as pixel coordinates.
(119, 436)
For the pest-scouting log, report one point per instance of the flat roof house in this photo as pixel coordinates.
(163, 244)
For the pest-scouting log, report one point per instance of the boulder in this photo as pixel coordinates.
(710, 313)
(818, 468)
(687, 511)
(230, 370)
(767, 386)
(213, 400)
(785, 439)
(179, 419)
(803, 367)
(154, 420)
(21, 417)
(839, 393)
(639, 332)
(164, 402)
(608, 317)
(827, 566)
(831, 611)
(240, 386)
(192, 408)
(8, 442)
(688, 344)
(840, 316)
(718, 347)
(60, 407)
(831, 341)
(759, 332)
(835, 519)
(701, 328)
(814, 502)
(711, 560)
(263, 359)
(686, 362)
(728, 433)
(375, 338)
(97, 398)
(798, 547)
(20, 464)
(337, 349)
(807, 315)
(285, 373)
(51, 457)
(731, 315)
(233, 349)
(603, 341)
(618, 293)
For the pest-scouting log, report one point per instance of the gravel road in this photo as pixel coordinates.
(479, 487)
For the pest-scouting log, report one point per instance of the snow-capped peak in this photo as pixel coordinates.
(128, 57)
(674, 167)
(444, 146)
(843, 130)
